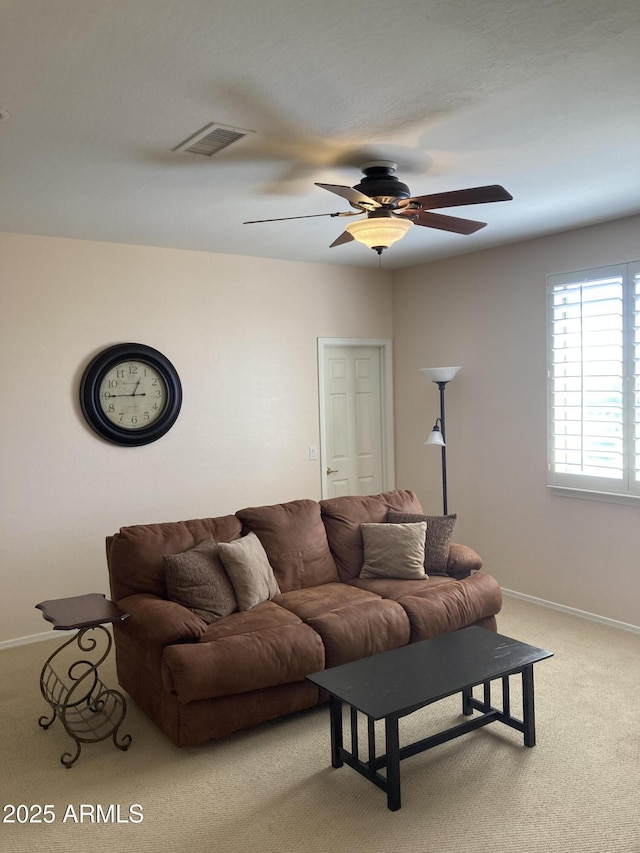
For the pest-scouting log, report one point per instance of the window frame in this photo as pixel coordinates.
(626, 489)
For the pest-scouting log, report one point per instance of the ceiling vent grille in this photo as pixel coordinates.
(211, 139)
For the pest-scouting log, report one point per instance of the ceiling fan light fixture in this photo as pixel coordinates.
(377, 232)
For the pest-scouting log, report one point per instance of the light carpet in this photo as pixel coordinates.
(272, 788)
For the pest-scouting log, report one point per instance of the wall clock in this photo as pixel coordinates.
(130, 394)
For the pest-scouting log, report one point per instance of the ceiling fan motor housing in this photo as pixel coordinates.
(381, 184)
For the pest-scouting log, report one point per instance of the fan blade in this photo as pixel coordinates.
(308, 216)
(345, 237)
(444, 223)
(457, 198)
(354, 196)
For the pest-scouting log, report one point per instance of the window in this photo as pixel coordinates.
(594, 380)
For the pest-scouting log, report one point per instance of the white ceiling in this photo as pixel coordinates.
(541, 96)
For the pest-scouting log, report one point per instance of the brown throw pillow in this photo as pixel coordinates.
(249, 569)
(439, 531)
(393, 550)
(196, 579)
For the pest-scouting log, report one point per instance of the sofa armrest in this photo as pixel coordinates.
(462, 561)
(159, 622)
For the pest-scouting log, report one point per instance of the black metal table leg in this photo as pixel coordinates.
(467, 696)
(392, 763)
(335, 712)
(528, 709)
(371, 732)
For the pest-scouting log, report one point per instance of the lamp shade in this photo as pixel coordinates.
(379, 231)
(440, 374)
(435, 437)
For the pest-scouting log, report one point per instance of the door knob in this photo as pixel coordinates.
(332, 471)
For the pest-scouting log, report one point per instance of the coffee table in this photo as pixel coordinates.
(393, 684)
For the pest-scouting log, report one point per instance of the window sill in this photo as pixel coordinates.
(585, 495)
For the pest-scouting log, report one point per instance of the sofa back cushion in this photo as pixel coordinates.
(295, 540)
(135, 554)
(342, 519)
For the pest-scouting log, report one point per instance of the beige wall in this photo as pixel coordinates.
(486, 311)
(241, 332)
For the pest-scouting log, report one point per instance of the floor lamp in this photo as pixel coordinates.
(441, 376)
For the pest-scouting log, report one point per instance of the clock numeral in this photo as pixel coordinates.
(113, 383)
(133, 369)
(120, 373)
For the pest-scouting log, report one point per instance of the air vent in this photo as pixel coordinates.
(211, 139)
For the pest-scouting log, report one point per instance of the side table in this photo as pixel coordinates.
(69, 681)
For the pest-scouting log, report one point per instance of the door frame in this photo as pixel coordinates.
(384, 345)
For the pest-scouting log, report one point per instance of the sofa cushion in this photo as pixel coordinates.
(295, 540)
(342, 519)
(249, 570)
(315, 600)
(240, 663)
(396, 588)
(439, 530)
(263, 615)
(359, 630)
(393, 550)
(135, 554)
(452, 605)
(197, 579)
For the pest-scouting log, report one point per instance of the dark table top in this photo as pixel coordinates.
(405, 679)
(81, 611)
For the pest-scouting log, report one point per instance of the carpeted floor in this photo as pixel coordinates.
(273, 789)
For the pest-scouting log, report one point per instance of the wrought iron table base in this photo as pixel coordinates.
(89, 711)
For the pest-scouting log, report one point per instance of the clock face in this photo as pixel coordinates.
(130, 394)
(133, 394)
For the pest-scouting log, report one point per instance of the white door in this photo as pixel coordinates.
(353, 450)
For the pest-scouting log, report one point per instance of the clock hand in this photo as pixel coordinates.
(135, 389)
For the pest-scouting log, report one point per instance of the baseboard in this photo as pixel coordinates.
(572, 611)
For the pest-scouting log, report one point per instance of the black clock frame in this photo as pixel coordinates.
(90, 394)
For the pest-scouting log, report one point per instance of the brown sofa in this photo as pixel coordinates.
(199, 681)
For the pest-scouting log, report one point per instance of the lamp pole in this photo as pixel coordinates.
(441, 376)
(443, 449)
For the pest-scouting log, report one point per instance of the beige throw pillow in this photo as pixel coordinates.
(393, 550)
(249, 569)
(196, 579)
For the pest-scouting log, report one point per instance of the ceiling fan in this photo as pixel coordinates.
(391, 210)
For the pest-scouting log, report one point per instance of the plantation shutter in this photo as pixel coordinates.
(587, 395)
